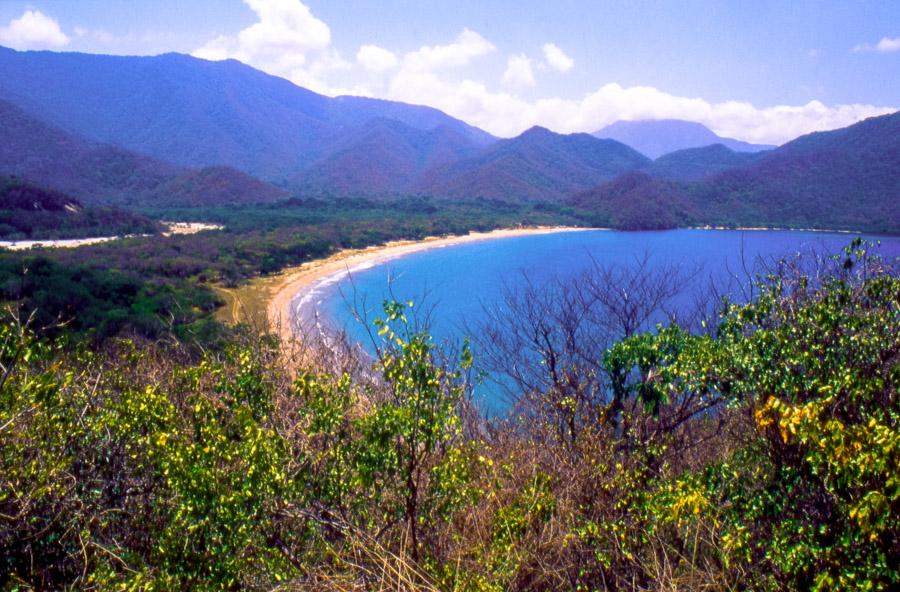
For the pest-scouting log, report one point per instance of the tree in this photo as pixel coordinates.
(810, 496)
(547, 341)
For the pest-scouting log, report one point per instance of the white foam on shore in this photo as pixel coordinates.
(304, 305)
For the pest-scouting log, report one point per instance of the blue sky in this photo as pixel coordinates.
(761, 71)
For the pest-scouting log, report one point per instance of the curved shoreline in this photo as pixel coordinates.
(299, 282)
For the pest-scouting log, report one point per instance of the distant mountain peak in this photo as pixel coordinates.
(656, 137)
(538, 130)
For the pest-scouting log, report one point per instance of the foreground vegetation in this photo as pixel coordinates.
(760, 452)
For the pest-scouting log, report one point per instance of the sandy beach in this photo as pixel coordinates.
(71, 243)
(58, 243)
(281, 291)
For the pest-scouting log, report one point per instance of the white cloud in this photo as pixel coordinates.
(33, 30)
(518, 71)
(376, 59)
(287, 40)
(421, 79)
(886, 45)
(284, 25)
(467, 46)
(507, 115)
(557, 59)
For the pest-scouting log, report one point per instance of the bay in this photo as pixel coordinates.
(459, 283)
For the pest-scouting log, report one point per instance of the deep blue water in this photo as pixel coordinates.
(459, 280)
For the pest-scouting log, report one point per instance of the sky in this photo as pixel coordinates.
(762, 71)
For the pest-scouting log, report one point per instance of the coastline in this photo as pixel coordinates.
(272, 301)
(297, 282)
(775, 228)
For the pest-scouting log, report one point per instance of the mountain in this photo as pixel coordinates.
(385, 156)
(845, 178)
(692, 164)
(212, 185)
(637, 201)
(102, 174)
(841, 179)
(537, 165)
(195, 113)
(655, 137)
(28, 211)
(355, 111)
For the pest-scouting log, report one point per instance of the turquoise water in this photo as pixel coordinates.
(459, 281)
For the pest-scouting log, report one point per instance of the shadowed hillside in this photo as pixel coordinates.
(103, 174)
(538, 164)
(841, 179)
(692, 164)
(385, 156)
(846, 178)
(196, 113)
(637, 201)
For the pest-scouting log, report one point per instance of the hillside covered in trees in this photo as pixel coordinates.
(103, 174)
(174, 130)
(841, 179)
(31, 212)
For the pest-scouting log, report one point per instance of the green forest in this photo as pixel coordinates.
(758, 450)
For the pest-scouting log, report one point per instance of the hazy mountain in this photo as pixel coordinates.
(655, 137)
(385, 156)
(354, 111)
(692, 164)
(195, 113)
(102, 174)
(841, 179)
(537, 165)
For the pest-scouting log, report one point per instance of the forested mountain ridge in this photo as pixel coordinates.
(104, 174)
(638, 201)
(845, 178)
(196, 113)
(691, 164)
(385, 156)
(842, 179)
(536, 165)
(181, 111)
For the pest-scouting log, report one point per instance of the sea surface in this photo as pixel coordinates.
(459, 282)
